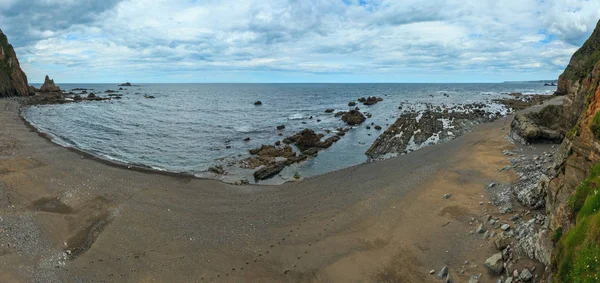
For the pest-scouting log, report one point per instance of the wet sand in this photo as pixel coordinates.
(379, 222)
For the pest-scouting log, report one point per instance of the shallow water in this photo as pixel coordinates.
(187, 127)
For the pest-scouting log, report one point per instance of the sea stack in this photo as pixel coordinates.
(13, 81)
(49, 85)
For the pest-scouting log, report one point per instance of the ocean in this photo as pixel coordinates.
(191, 127)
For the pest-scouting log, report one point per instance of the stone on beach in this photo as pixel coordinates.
(495, 263)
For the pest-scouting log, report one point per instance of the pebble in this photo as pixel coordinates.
(481, 203)
(447, 196)
(432, 271)
(505, 227)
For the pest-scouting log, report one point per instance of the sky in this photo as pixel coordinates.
(163, 41)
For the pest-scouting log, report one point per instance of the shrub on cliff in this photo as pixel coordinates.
(577, 254)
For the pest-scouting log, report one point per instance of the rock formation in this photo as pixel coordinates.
(49, 86)
(543, 126)
(13, 80)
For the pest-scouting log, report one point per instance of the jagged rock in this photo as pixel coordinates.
(217, 169)
(353, 118)
(533, 241)
(505, 227)
(13, 81)
(269, 171)
(501, 241)
(329, 110)
(281, 127)
(371, 100)
(351, 104)
(536, 127)
(525, 275)
(306, 139)
(495, 263)
(91, 95)
(49, 86)
(126, 84)
(480, 229)
(533, 196)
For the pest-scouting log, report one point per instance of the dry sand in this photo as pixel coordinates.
(379, 222)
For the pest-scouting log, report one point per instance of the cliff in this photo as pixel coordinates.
(572, 201)
(13, 80)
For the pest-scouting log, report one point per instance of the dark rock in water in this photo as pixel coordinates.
(372, 100)
(217, 169)
(120, 88)
(278, 143)
(378, 128)
(125, 84)
(280, 127)
(13, 81)
(362, 100)
(84, 92)
(91, 95)
(340, 113)
(111, 91)
(351, 104)
(306, 139)
(247, 139)
(269, 171)
(329, 110)
(258, 103)
(313, 151)
(148, 96)
(49, 86)
(353, 118)
(544, 126)
(77, 97)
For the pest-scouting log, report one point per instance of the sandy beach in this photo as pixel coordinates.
(65, 217)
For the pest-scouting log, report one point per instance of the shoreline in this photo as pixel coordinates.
(207, 175)
(370, 222)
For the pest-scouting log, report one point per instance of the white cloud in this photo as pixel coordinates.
(142, 40)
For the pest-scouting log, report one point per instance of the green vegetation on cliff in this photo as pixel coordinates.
(577, 254)
(583, 61)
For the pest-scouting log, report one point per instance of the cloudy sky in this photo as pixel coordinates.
(296, 40)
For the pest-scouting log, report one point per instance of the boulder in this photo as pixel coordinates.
(539, 127)
(258, 103)
(269, 171)
(49, 86)
(306, 139)
(280, 127)
(351, 104)
(125, 84)
(525, 275)
(443, 272)
(329, 110)
(501, 241)
(353, 118)
(372, 100)
(495, 263)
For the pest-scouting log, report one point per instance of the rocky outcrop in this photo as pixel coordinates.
(353, 118)
(13, 81)
(415, 129)
(543, 126)
(49, 86)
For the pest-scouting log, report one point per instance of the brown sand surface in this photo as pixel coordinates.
(378, 222)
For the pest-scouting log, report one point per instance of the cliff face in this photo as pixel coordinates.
(575, 183)
(12, 79)
(581, 148)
